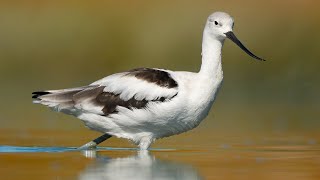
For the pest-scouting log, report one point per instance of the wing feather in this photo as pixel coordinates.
(132, 89)
(129, 86)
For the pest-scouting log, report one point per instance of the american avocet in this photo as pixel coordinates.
(146, 104)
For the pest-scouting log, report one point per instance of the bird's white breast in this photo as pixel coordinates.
(196, 94)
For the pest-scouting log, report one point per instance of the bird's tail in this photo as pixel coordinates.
(59, 100)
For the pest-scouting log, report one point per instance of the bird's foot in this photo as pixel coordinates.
(89, 145)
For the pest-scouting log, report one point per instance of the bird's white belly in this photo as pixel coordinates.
(159, 119)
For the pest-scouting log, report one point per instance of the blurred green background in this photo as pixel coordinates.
(62, 44)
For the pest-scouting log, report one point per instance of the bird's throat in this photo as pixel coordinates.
(211, 56)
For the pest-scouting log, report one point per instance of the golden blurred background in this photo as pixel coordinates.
(62, 44)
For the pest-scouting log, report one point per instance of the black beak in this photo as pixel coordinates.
(234, 39)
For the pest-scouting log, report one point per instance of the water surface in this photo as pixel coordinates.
(195, 155)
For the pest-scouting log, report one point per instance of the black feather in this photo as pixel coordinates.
(36, 94)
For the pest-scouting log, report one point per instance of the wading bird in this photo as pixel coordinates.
(146, 104)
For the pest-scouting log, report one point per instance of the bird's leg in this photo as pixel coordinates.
(93, 144)
(145, 143)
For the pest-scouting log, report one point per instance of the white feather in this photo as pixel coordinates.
(129, 86)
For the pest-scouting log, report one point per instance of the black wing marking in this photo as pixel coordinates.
(161, 78)
(109, 101)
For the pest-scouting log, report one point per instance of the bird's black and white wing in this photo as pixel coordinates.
(133, 89)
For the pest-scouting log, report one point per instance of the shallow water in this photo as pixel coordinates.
(194, 155)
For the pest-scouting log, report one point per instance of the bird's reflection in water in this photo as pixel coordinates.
(141, 166)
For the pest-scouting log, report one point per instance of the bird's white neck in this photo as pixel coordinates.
(211, 56)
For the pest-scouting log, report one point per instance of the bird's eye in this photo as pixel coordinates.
(216, 22)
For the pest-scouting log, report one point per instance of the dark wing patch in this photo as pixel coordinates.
(109, 101)
(158, 77)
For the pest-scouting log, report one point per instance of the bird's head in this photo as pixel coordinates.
(220, 26)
